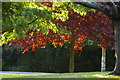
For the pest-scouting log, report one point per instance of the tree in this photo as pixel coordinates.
(112, 10)
(78, 31)
(78, 25)
(16, 29)
(92, 26)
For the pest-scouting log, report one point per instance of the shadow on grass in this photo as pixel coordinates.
(59, 79)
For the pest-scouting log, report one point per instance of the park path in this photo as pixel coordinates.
(15, 72)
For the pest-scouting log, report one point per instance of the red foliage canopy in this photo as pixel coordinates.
(39, 40)
(93, 26)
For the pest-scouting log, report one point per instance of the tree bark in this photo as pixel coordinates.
(116, 70)
(103, 60)
(71, 63)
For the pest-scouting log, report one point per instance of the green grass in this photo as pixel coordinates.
(63, 76)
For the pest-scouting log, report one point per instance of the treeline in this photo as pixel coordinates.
(52, 59)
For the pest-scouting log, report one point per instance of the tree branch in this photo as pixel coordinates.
(32, 21)
(28, 23)
(97, 6)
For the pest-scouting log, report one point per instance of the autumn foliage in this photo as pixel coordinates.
(95, 26)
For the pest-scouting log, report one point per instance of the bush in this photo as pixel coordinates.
(52, 59)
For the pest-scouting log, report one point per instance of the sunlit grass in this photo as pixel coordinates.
(85, 75)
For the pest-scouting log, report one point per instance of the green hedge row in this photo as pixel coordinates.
(52, 59)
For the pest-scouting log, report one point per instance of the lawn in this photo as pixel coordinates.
(61, 76)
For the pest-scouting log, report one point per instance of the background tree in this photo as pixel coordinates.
(103, 60)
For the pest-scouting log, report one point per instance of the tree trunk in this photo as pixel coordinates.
(116, 70)
(103, 60)
(71, 63)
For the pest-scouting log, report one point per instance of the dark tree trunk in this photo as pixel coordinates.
(116, 25)
(116, 70)
(71, 63)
